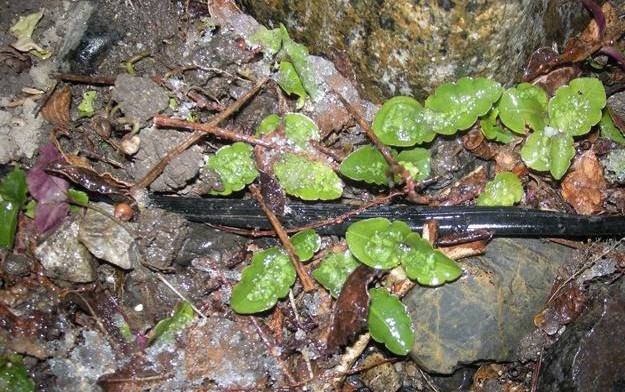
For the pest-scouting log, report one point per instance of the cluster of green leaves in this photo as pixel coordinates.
(12, 197)
(14, 376)
(378, 243)
(504, 190)
(295, 75)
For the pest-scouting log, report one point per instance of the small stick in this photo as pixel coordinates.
(86, 79)
(329, 221)
(194, 137)
(284, 238)
(168, 122)
(386, 153)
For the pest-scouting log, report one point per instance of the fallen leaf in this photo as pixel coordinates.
(350, 311)
(583, 187)
(56, 110)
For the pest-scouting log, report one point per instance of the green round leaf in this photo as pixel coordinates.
(267, 279)
(268, 125)
(308, 180)
(235, 167)
(457, 106)
(577, 107)
(366, 164)
(14, 375)
(416, 161)
(334, 270)
(300, 129)
(427, 266)
(535, 151)
(306, 244)
(609, 131)
(289, 81)
(504, 190)
(389, 322)
(521, 105)
(398, 123)
(377, 242)
(560, 154)
(492, 131)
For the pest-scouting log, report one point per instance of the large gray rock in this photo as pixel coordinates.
(409, 47)
(484, 314)
(590, 354)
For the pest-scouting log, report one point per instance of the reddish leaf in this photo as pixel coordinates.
(541, 61)
(556, 78)
(583, 187)
(50, 215)
(56, 110)
(350, 311)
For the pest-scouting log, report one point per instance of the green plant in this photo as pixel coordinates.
(504, 190)
(12, 198)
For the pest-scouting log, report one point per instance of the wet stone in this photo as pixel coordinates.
(107, 240)
(155, 143)
(160, 236)
(64, 257)
(484, 314)
(139, 98)
(590, 355)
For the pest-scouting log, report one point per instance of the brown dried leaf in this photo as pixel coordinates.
(556, 78)
(583, 187)
(591, 40)
(351, 308)
(56, 110)
(542, 60)
(273, 193)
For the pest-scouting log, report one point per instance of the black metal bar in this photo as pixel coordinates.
(502, 221)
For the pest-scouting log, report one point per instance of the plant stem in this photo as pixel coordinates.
(284, 238)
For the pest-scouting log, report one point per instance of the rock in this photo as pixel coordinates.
(139, 98)
(160, 235)
(201, 241)
(64, 257)
(107, 240)
(484, 314)
(381, 378)
(409, 47)
(154, 145)
(22, 144)
(590, 355)
(228, 355)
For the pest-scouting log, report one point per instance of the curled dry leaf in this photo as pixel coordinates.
(584, 186)
(56, 110)
(475, 142)
(352, 306)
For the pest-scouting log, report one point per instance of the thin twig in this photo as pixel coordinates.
(86, 79)
(194, 137)
(329, 221)
(396, 168)
(307, 283)
(179, 294)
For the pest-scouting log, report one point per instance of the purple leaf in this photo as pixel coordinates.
(50, 215)
(597, 13)
(615, 54)
(42, 186)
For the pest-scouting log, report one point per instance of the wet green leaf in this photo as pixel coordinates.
(267, 279)
(535, 151)
(235, 167)
(166, 329)
(416, 161)
(522, 105)
(29, 208)
(609, 131)
(308, 180)
(560, 154)
(429, 267)
(289, 81)
(14, 376)
(457, 106)
(78, 197)
(492, 131)
(389, 322)
(270, 40)
(298, 55)
(504, 190)
(334, 270)
(306, 244)
(12, 198)
(377, 242)
(577, 107)
(399, 122)
(85, 108)
(300, 129)
(366, 164)
(268, 125)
